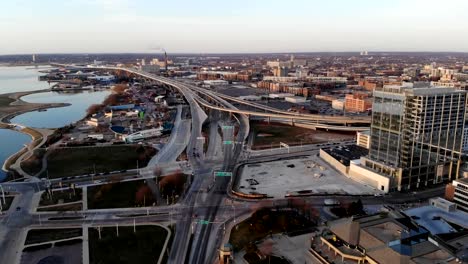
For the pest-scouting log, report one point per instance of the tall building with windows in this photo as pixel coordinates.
(416, 135)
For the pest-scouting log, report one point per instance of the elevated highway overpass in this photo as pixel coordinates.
(340, 123)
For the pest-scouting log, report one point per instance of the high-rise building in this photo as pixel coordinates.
(416, 135)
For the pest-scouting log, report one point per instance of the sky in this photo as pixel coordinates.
(232, 26)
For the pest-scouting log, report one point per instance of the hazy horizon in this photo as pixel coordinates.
(237, 53)
(210, 27)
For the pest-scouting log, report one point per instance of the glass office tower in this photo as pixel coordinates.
(417, 135)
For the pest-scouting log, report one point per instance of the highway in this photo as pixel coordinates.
(200, 214)
(332, 122)
(200, 250)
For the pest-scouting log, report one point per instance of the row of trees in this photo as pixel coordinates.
(118, 95)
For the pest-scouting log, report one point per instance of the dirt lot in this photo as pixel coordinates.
(268, 135)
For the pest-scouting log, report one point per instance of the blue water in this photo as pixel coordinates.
(20, 79)
(59, 117)
(10, 143)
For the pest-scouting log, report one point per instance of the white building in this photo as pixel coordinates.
(142, 135)
(363, 139)
(280, 95)
(461, 194)
(215, 82)
(338, 104)
(442, 204)
(369, 177)
(296, 99)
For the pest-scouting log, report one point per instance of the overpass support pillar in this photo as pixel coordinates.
(268, 120)
(292, 122)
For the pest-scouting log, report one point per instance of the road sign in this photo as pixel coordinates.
(227, 142)
(227, 127)
(204, 222)
(223, 174)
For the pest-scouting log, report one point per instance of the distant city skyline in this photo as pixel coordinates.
(208, 26)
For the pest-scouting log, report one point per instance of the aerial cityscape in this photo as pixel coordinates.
(249, 132)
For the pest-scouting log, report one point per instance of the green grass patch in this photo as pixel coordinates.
(47, 235)
(65, 162)
(144, 246)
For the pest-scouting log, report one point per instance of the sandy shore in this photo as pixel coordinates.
(18, 106)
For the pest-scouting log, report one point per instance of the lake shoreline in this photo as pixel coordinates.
(17, 107)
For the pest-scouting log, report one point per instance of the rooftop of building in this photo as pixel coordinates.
(419, 89)
(463, 180)
(345, 154)
(388, 237)
(365, 132)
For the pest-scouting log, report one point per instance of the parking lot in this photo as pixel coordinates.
(308, 175)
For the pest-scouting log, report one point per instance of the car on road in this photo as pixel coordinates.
(97, 182)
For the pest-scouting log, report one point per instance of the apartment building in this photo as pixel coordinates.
(416, 136)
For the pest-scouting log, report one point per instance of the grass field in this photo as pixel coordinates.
(119, 195)
(270, 135)
(45, 235)
(65, 162)
(144, 246)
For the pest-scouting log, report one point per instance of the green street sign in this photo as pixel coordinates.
(227, 142)
(223, 174)
(227, 127)
(204, 222)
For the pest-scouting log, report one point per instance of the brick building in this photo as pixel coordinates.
(357, 103)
